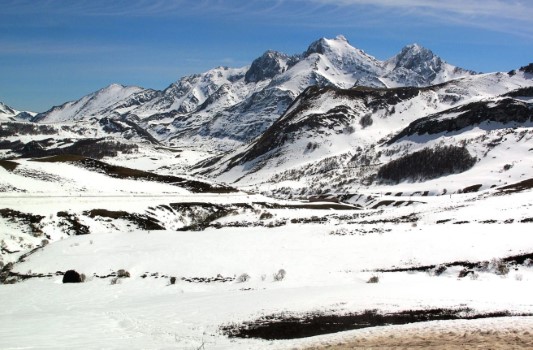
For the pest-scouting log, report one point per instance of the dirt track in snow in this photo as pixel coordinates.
(510, 336)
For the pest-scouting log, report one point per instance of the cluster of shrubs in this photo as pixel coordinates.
(427, 164)
(12, 129)
(311, 146)
(72, 276)
(92, 148)
(366, 120)
(277, 277)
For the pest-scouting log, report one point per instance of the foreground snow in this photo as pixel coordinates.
(327, 268)
(150, 314)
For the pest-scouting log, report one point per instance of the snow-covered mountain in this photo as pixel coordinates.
(235, 105)
(10, 114)
(92, 105)
(357, 131)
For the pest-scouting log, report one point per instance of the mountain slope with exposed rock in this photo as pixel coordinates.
(225, 107)
(337, 139)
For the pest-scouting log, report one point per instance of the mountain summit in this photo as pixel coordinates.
(415, 66)
(227, 106)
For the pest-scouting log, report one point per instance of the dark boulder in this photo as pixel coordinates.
(72, 276)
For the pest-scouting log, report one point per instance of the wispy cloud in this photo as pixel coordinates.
(509, 9)
(505, 9)
(511, 16)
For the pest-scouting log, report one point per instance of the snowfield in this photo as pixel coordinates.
(327, 265)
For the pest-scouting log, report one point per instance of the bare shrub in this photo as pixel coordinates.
(484, 266)
(500, 267)
(340, 232)
(439, 270)
(366, 120)
(123, 273)
(349, 129)
(474, 276)
(373, 279)
(280, 275)
(465, 272)
(243, 278)
(266, 215)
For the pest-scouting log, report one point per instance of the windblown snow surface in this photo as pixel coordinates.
(328, 255)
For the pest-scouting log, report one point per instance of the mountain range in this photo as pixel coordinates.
(224, 107)
(290, 120)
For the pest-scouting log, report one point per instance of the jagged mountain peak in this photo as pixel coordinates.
(414, 55)
(337, 45)
(267, 66)
(240, 103)
(6, 109)
(10, 114)
(415, 47)
(6, 113)
(340, 64)
(416, 65)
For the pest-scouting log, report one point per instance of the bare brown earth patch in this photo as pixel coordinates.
(512, 335)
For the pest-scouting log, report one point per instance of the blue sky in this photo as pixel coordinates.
(53, 51)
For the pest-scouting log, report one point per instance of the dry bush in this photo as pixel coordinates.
(243, 278)
(500, 267)
(373, 279)
(280, 275)
(123, 273)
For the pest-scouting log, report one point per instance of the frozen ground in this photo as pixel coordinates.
(328, 256)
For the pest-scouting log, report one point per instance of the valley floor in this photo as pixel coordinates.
(467, 255)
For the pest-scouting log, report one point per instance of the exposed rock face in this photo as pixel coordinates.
(527, 69)
(504, 111)
(270, 64)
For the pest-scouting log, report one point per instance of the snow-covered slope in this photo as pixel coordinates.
(257, 262)
(9, 114)
(227, 106)
(356, 131)
(88, 106)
